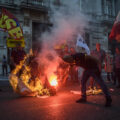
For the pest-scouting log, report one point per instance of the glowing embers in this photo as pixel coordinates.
(89, 92)
(94, 91)
(53, 80)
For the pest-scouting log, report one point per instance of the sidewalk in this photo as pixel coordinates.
(5, 77)
(4, 80)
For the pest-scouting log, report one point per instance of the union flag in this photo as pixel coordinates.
(9, 23)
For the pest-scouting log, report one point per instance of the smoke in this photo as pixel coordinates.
(67, 21)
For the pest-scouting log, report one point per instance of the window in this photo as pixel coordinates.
(26, 21)
(109, 7)
(3, 38)
(57, 2)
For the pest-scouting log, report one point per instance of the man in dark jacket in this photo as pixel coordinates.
(91, 68)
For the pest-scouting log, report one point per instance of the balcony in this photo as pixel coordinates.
(8, 4)
(36, 4)
(108, 20)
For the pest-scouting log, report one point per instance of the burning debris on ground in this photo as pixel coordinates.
(28, 78)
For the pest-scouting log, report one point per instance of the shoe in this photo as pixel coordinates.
(81, 100)
(108, 102)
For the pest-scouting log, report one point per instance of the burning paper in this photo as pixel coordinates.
(88, 92)
(24, 83)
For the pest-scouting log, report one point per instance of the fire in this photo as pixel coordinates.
(53, 80)
(23, 83)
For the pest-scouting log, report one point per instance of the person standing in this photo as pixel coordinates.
(91, 68)
(19, 54)
(117, 66)
(109, 66)
(12, 59)
(4, 65)
(100, 55)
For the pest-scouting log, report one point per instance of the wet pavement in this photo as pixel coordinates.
(62, 106)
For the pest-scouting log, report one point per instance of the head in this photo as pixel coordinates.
(98, 46)
(72, 50)
(68, 59)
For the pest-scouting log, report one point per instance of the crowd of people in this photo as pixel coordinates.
(107, 62)
(110, 63)
(92, 64)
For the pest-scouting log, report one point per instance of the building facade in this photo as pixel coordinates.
(33, 16)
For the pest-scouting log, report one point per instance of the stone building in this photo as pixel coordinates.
(33, 16)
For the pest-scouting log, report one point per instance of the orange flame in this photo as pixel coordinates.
(53, 80)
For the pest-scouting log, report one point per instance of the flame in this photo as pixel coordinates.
(53, 80)
(22, 85)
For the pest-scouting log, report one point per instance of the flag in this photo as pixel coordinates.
(81, 43)
(115, 32)
(2, 23)
(10, 23)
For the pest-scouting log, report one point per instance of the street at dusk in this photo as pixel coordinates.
(59, 107)
(59, 59)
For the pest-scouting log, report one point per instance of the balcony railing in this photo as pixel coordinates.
(7, 1)
(36, 3)
(8, 4)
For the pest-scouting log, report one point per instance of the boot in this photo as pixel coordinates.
(81, 100)
(108, 101)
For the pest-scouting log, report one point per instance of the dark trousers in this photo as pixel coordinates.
(97, 76)
(110, 76)
(92, 81)
(4, 69)
(117, 76)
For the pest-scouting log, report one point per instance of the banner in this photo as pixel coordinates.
(11, 43)
(10, 24)
(81, 43)
(115, 32)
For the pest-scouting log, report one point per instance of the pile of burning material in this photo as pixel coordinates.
(26, 79)
(94, 91)
(89, 92)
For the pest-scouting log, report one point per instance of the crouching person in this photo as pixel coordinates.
(91, 69)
